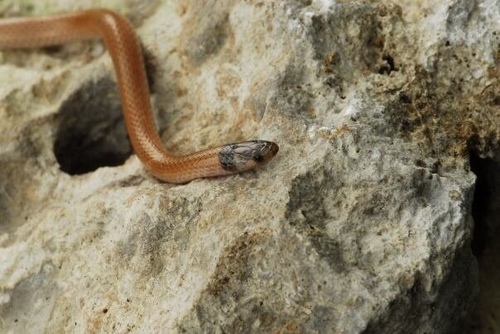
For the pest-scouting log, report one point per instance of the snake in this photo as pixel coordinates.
(125, 50)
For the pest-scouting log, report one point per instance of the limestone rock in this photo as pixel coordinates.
(362, 223)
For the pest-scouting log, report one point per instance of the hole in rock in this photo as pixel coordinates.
(486, 203)
(92, 132)
(486, 244)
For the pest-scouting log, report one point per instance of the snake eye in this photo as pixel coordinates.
(263, 151)
(258, 157)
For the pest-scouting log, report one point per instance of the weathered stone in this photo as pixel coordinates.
(362, 223)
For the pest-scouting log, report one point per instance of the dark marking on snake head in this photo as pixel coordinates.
(226, 158)
(247, 155)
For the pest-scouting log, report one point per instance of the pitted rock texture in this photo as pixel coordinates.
(362, 223)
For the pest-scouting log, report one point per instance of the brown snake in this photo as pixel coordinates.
(126, 54)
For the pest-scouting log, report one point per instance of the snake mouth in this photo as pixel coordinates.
(243, 156)
(265, 152)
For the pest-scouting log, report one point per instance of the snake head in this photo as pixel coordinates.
(243, 156)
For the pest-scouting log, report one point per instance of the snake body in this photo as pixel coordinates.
(126, 54)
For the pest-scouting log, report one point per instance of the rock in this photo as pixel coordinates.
(362, 223)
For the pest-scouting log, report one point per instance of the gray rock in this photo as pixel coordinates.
(362, 223)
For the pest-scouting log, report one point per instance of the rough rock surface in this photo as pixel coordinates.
(362, 223)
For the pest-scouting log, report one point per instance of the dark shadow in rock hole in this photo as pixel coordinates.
(92, 131)
(486, 203)
(485, 245)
